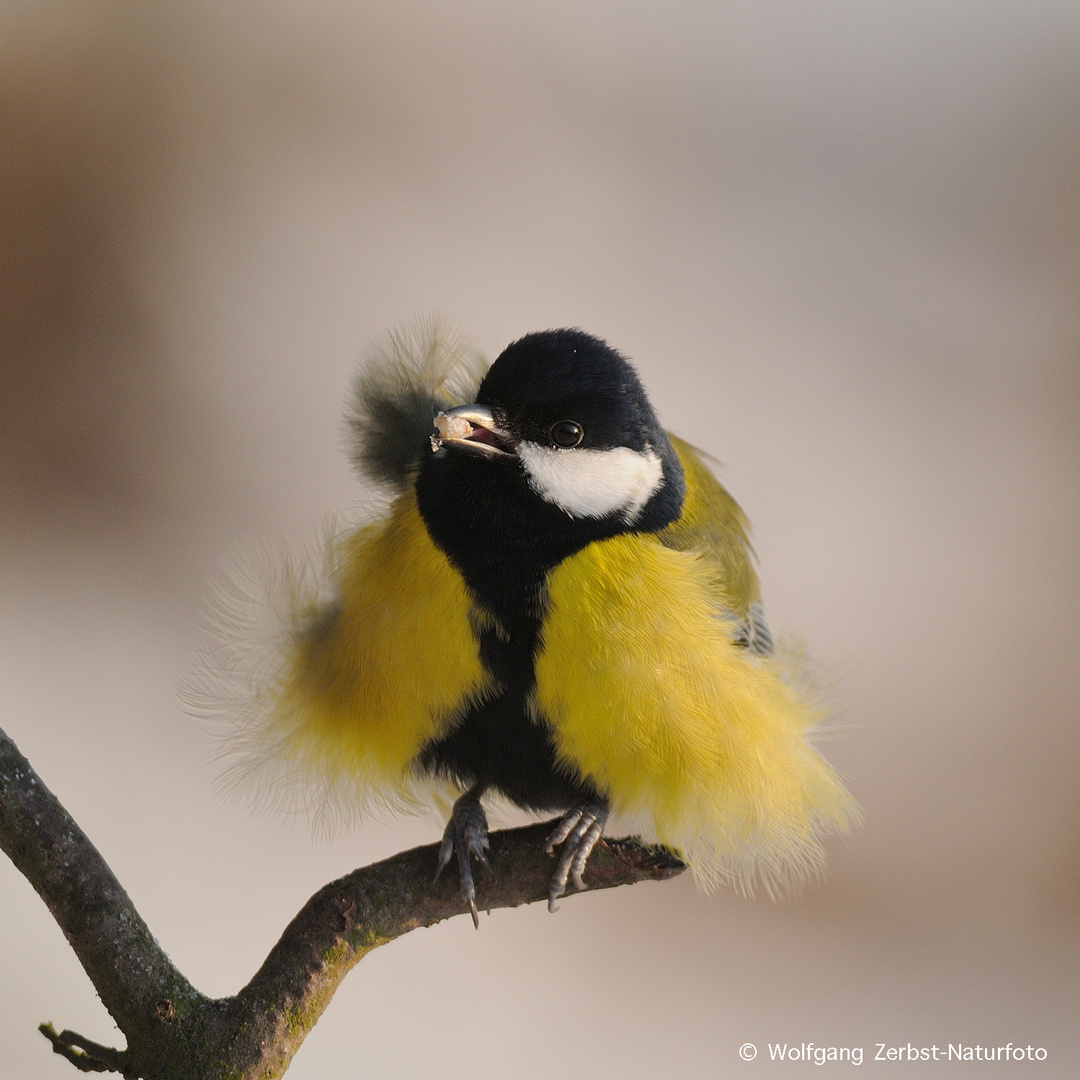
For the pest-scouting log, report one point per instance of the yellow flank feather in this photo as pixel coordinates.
(363, 681)
(713, 523)
(646, 694)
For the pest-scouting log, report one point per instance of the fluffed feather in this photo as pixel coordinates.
(406, 378)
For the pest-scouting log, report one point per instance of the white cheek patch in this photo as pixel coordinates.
(593, 483)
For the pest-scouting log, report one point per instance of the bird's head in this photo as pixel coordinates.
(570, 415)
(561, 447)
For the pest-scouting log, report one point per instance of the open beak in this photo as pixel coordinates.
(472, 427)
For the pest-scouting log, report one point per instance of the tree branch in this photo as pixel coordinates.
(176, 1033)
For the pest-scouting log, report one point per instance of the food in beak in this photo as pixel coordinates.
(452, 427)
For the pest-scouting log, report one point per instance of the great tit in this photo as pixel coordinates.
(557, 605)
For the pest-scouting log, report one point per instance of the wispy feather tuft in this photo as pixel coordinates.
(260, 612)
(406, 378)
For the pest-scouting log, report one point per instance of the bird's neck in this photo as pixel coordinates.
(504, 539)
(500, 536)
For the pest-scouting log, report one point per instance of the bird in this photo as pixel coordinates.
(554, 602)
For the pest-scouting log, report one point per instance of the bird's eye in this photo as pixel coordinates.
(566, 433)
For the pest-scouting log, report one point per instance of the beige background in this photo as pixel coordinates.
(841, 241)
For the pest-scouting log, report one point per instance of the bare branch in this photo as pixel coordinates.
(176, 1033)
(128, 968)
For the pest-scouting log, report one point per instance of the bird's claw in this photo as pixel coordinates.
(578, 831)
(467, 834)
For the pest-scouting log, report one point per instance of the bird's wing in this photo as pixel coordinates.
(359, 679)
(713, 525)
(648, 695)
(407, 378)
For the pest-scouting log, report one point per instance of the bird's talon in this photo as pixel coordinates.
(578, 831)
(466, 834)
(446, 853)
(564, 828)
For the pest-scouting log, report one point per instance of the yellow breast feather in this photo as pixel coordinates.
(360, 681)
(684, 730)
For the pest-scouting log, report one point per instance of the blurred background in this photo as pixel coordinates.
(840, 240)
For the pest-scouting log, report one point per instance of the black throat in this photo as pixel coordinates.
(503, 540)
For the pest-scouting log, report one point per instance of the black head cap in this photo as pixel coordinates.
(545, 380)
(557, 375)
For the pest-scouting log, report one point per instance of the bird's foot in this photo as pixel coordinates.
(581, 827)
(467, 834)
